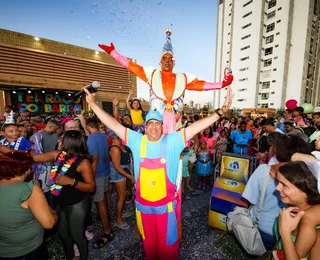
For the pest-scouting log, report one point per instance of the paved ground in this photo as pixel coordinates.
(200, 241)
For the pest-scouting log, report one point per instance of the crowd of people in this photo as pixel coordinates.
(54, 168)
(90, 159)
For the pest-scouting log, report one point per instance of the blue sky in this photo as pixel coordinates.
(136, 27)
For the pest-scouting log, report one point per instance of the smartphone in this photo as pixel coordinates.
(77, 109)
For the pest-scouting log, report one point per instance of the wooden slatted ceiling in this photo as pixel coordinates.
(46, 65)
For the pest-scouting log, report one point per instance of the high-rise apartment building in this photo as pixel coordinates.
(273, 48)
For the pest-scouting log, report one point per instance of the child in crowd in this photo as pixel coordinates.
(22, 131)
(136, 112)
(185, 170)
(221, 145)
(316, 119)
(23, 117)
(203, 166)
(298, 116)
(7, 110)
(188, 159)
(210, 139)
(13, 139)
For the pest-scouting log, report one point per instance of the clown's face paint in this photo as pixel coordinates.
(167, 62)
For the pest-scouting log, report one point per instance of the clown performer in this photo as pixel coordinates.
(167, 89)
(156, 161)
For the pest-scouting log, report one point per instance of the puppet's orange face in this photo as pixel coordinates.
(167, 62)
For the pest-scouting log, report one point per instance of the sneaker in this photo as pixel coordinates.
(76, 250)
(89, 235)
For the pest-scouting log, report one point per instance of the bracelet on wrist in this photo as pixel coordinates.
(75, 183)
(217, 111)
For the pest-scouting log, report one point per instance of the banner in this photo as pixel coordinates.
(48, 103)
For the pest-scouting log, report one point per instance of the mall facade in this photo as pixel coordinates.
(43, 75)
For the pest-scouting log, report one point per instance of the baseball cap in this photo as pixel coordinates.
(111, 133)
(316, 110)
(22, 110)
(314, 136)
(155, 115)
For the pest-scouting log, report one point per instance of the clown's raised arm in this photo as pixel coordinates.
(167, 63)
(143, 73)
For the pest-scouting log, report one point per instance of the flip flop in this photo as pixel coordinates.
(103, 241)
(123, 226)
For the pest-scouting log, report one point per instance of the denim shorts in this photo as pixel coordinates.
(115, 176)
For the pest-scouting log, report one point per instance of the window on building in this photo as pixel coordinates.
(266, 85)
(245, 47)
(274, 69)
(267, 62)
(246, 15)
(269, 39)
(228, 33)
(268, 51)
(264, 96)
(244, 58)
(228, 43)
(273, 81)
(277, 45)
(241, 100)
(276, 57)
(266, 74)
(243, 69)
(279, 21)
(272, 3)
(243, 79)
(278, 33)
(247, 3)
(265, 105)
(228, 52)
(246, 36)
(280, 8)
(272, 92)
(271, 14)
(229, 14)
(230, 4)
(246, 26)
(229, 24)
(242, 89)
(270, 27)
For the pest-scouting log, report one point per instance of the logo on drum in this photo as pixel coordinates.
(234, 166)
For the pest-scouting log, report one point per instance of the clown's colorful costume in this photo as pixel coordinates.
(156, 164)
(167, 88)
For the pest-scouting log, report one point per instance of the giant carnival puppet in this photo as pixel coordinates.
(167, 88)
(167, 91)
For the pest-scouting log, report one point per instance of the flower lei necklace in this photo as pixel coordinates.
(55, 188)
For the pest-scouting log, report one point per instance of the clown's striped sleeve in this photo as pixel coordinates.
(193, 83)
(144, 73)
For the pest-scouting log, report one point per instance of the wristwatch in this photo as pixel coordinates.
(218, 113)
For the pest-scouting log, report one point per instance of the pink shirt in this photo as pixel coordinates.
(210, 142)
